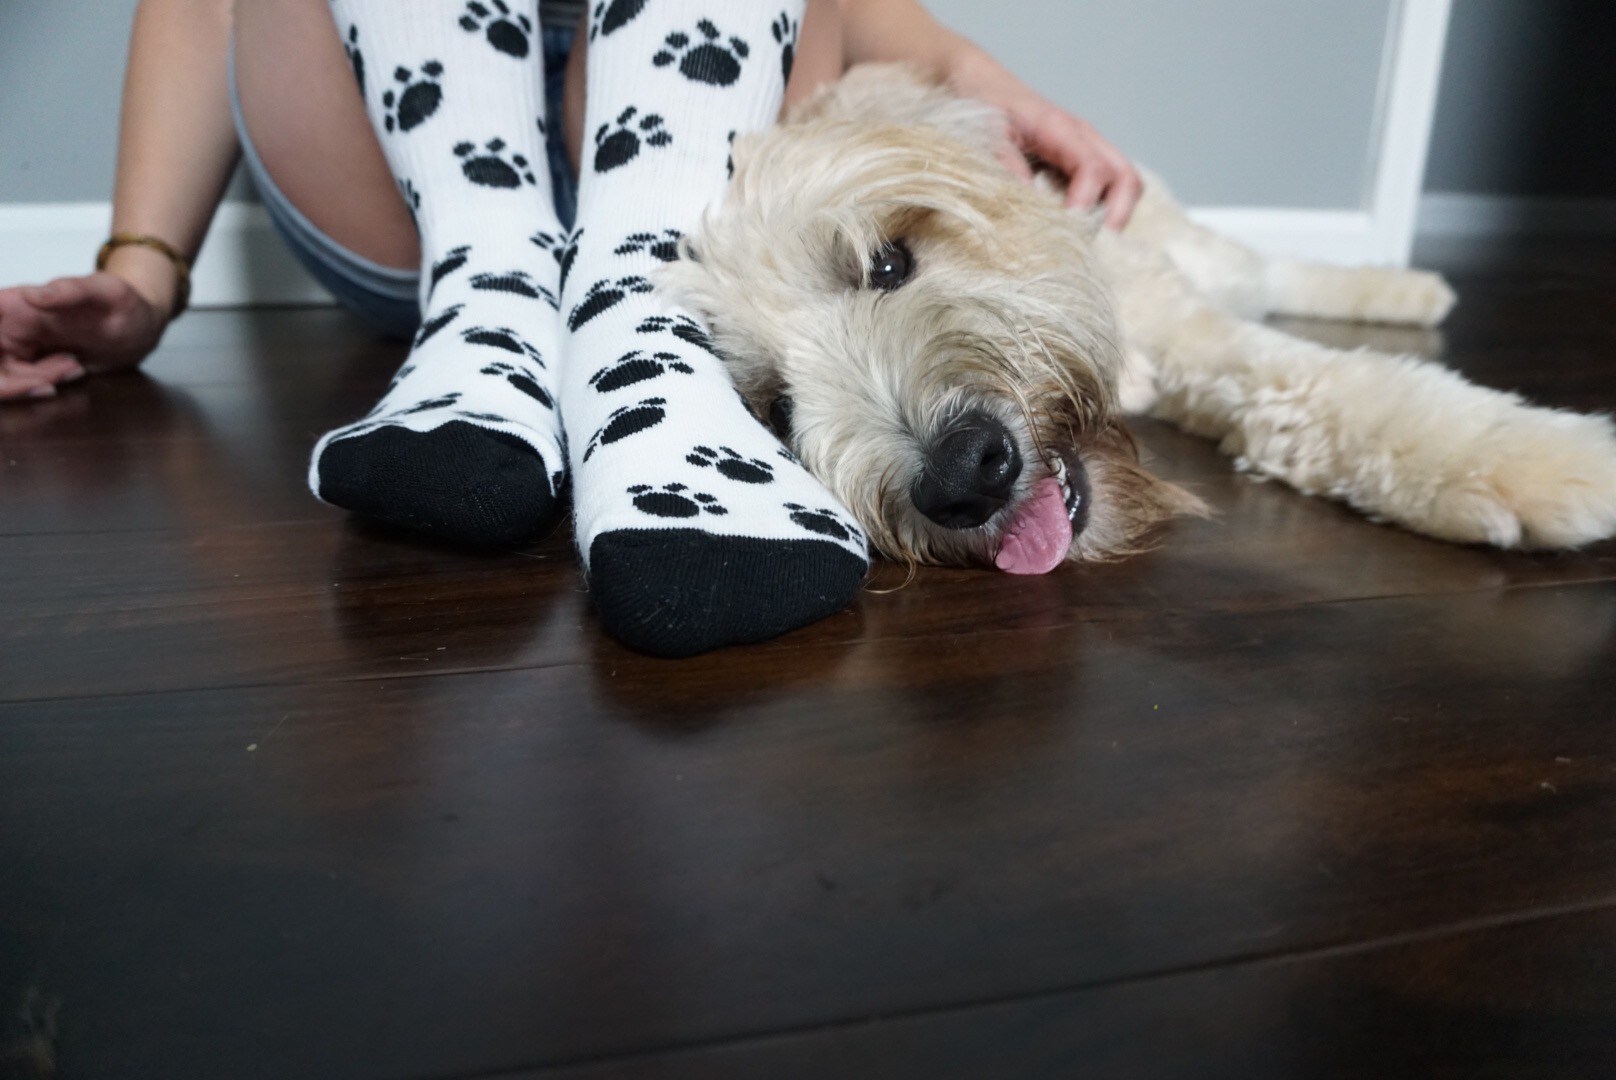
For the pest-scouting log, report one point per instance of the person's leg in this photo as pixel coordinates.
(697, 528)
(299, 93)
(812, 56)
(466, 444)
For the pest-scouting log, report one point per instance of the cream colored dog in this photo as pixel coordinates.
(950, 351)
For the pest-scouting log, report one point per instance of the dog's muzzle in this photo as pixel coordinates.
(970, 473)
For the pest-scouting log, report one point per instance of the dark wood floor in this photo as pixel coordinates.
(1295, 796)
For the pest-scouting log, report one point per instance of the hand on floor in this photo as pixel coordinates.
(53, 334)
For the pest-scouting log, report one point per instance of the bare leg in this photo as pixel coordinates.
(306, 118)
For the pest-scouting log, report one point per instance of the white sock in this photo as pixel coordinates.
(466, 444)
(697, 528)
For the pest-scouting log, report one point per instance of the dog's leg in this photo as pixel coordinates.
(1395, 437)
(1357, 293)
(1239, 279)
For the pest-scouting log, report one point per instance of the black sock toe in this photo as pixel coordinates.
(679, 592)
(458, 482)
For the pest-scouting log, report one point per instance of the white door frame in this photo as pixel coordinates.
(1381, 232)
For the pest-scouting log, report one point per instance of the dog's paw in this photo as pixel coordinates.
(1373, 294)
(1411, 298)
(1550, 483)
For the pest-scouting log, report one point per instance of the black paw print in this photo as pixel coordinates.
(452, 260)
(664, 247)
(402, 374)
(418, 98)
(682, 327)
(355, 57)
(603, 296)
(709, 60)
(429, 404)
(629, 420)
(622, 145)
(500, 337)
(670, 501)
(729, 161)
(430, 327)
(785, 35)
(732, 465)
(490, 167)
(789, 456)
(521, 380)
(509, 33)
(824, 521)
(412, 198)
(563, 248)
(612, 15)
(636, 367)
(517, 283)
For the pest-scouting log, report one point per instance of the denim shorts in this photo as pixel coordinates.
(382, 296)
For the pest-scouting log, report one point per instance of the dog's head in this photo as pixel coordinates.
(931, 336)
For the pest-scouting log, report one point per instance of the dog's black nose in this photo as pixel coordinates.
(970, 473)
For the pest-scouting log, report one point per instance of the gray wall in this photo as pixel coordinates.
(1528, 100)
(1260, 103)
(61, 74)
(1264, 102)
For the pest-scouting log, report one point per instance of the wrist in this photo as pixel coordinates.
(153, 277)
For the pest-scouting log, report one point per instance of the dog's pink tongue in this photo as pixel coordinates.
(1041, 534)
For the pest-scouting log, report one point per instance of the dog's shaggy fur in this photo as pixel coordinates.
(1033, 315)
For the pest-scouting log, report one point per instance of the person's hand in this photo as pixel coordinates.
(56, 333)
(1096, 171)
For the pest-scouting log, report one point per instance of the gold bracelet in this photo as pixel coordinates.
(182, 265)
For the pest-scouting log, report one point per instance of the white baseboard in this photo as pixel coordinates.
(243, 261)
(1461, 215)
(1345, 237)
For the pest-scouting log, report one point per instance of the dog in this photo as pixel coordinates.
(952, 352)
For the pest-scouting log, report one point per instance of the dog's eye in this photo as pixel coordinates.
(780, 416)
(891, 266)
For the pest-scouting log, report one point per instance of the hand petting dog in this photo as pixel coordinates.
(1098, 174)
(901, 31)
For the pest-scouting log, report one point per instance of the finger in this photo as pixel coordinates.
(63, 292)
(1065, 142)
(68, 292)
(1085, 189)
(1015, 161)
(18, 382)
(1121, 198)
(56, 366)
(60, 368)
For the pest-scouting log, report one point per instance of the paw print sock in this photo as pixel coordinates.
(697, 528)
(466, 444)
